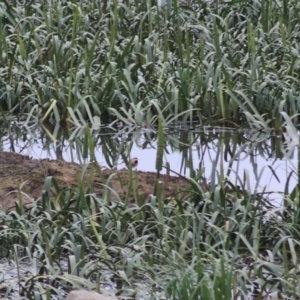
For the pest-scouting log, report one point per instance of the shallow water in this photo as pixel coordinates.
(255, 165)
(14, 275)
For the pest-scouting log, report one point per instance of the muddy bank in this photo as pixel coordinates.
(28, 175)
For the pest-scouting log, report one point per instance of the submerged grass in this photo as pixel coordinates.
(227, 62)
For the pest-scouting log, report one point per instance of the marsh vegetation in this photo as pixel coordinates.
(77, 70)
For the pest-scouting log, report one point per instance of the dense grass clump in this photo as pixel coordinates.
(133, 60)
(221, 243)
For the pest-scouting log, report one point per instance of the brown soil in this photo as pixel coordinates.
(20, 173)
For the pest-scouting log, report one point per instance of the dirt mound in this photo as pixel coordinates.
(21, 175)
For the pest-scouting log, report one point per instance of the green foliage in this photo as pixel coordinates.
(148, 66)
(160, 146)
(224, 244)
(227, 60)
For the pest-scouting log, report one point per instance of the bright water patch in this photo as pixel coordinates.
(250, 159)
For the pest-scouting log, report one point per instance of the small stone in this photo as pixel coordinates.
(87, 295)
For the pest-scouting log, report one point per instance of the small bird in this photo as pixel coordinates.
(133, 162)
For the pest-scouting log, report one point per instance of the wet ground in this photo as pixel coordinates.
(21, 174)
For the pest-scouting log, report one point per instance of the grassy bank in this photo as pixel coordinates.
(219, 244)
(222, 62)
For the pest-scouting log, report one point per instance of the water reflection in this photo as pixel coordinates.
(255, 160)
